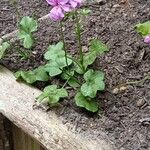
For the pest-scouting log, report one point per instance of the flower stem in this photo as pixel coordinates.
(63, 40)
(76, 79)
(78, 32)
(75, 61)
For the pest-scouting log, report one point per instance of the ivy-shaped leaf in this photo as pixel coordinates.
(53, 69)
(89, 59)
(94, 82)
(143, 28)
(85, 102)
(96, 48)
(53, 51)
(78, 69)
(27, 76)
(27, 26)
(56, 59)
(3, 48)
(52, 94)
(30, 77)
(28, 41)
(41, 74)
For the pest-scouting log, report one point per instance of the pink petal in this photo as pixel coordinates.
(73, 4)
(62, 2)
(147, 39)
(52, 2)
(66, 8)
(56, 13)
(78, 1)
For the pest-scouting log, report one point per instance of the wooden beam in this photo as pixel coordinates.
(16, 103)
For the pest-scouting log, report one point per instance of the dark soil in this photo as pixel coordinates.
(125, 116)
(8, 15)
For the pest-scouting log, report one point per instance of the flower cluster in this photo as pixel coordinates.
(60, 7)
(147, 39)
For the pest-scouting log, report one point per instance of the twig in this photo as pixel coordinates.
(135, 82)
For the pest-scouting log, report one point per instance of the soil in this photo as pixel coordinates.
(8, 15)
(124, 115)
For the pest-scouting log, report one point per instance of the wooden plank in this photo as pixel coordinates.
(5, 134)
(1, 133)
(22, 141)
(16, 103)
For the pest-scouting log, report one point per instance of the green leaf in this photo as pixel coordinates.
(41, 74)
(89, 59)
(78, 69)
(57, 60)
(94, 82)
(28, 24)
(73, 83)
(67, 74)
(86, 103)
(53, 51)
(143, 28)
(61, 61)
(53, 69)
(30, 77)
(98, 47)
(52, 94)
(28, 41)
(3, 48)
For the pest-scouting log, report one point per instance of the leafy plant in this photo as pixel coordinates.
(143, 28)
(30, 77)
(94, 82)
(56, 59)
(76, 71)
(86, 102)
(52, 94)
(3, 47)
(27, 27)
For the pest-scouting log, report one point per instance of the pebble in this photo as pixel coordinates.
(123, 88)
(140, 102)
(116, 6)
(115, 91)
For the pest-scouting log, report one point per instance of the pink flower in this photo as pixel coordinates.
(147, 39)
(75, 3)
(59, 9)
(56, 13)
